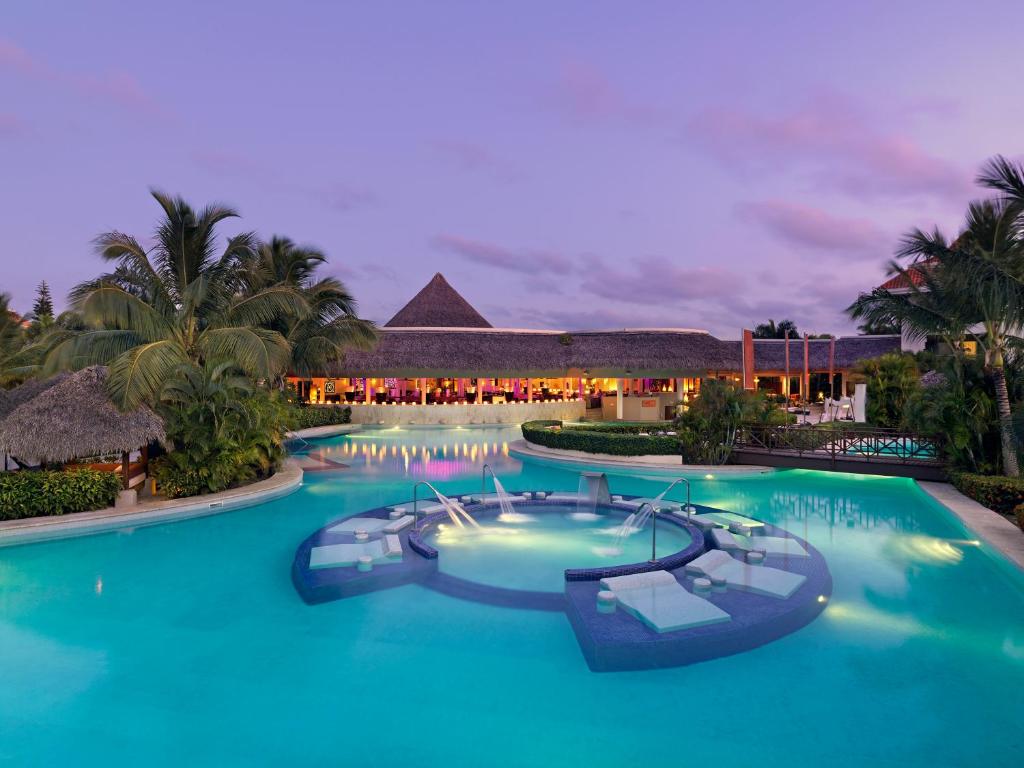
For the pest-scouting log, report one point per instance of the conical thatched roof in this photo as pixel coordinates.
(438, 305)
(12, 398)
(75, 418)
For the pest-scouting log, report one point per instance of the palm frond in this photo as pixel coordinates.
(1003, 175)
(138, 375)
(261, 353)
(111, 307)
(267, 306)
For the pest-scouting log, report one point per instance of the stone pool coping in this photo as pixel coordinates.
(993, 528)
(34, 529)
(524, 448)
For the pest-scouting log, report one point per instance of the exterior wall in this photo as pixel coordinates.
(483, 413)
(639, 407)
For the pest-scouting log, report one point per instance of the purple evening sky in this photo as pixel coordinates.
(566, 165)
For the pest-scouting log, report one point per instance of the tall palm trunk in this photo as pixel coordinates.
(1010, 468)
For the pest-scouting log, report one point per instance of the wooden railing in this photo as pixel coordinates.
(853, 442)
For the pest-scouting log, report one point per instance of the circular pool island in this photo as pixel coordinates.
(643, 584)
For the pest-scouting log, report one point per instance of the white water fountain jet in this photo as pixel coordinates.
(508, 513)
(593, 490)
(455, 510)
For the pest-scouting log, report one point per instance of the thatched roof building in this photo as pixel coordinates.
(495, 352)
(641, 352)
(12, 398)
(75, 418)
(437, 305)
(439, 349)
(770, 354)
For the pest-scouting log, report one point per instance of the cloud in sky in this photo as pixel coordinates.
(808, 228)
(118, 87)
(654, 278)
(337, 195)
(11, 124)
(530, 262)
(464, 155)
(585, 94)
(835, 144)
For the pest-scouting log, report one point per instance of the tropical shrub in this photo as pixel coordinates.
(1018, 514)
(704, 434)
(224, 431)
(998, 493)
(308, 416)
(707, 429)
(35, 493)
(892, 380)
(961, 409)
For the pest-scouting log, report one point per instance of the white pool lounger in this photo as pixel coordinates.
(663, 505)
(701, 521)
(394, 526)
(759, 579)
(661, 602)
(353, 524)
(727, 519)
(770, 545)
(341, 555)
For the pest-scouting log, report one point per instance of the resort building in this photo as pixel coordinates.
(438, 360)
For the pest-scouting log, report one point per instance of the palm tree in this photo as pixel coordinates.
(773, 330)
(329, 325)
(179, 303)
(12, 341)
(970, 288)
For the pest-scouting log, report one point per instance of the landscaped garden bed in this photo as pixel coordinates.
(38, 493)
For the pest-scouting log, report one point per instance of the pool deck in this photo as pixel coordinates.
(33, 529)
(996, 530)
(530, 450)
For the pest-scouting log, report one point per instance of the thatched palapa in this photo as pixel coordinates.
(75, 418)
(438, 305)
(10, 399)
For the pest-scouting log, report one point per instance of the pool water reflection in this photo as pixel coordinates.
(186, 643)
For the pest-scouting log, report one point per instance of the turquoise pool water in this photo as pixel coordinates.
(533, 549)
(186, 643)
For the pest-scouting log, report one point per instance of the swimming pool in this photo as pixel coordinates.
(186, 642)
(532, 551)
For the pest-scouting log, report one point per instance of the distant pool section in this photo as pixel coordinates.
(675, 588)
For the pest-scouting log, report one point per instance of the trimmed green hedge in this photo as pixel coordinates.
(621, 427)
(307, 416)
(600, 440)
(1001, 494)
(31, 493)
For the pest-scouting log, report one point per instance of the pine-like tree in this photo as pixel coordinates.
(43, 308)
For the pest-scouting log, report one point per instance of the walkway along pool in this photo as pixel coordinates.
(187, 642)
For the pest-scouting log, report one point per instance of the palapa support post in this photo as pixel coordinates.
(807, 369)
(125, 470)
